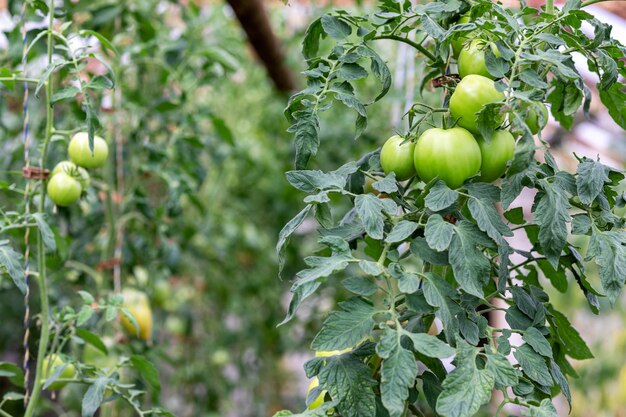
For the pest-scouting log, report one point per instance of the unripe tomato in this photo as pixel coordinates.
(315, 382)
(472, 58)
(49, 365)
(452, 155)
(495, 155)
(74, 171)
(64, 190)
(458, 42)
(469, 97)
(136, 302)
(532, 119)
(398, 158)
(81, 155)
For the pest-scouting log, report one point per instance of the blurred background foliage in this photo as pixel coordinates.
(195, 200)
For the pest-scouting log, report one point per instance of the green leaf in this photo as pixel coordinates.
(311, 41)
(307, 138)
(360, 286)
(370, 268)
(336, 27)
(300, 293)
(13, 372)
(430, 346)
(466, 388)
(399, 370)
(420, 248)
(387, 184)
(11, 262)
(440, 197)
(370, 210)
(440, 294)
(545, 409)
(94, 396)
(538, 342)
(471, 267)
(614, 99)
(573, 344)
(104, 41)
(609, 252)
(515, 215)
(346, 328)
(84, 315)
(68, 92)
(147, 371)
(482, 207)
(352, 71)
(313, 181)
(321, 267)
(505, 374)
(349, 383)
(93, 339)
(401, 231)
(556, 276)
(533, 365)
(286, 232)
(551, 213)
(438, 233)
(409, 283)
(561, 380)
(590, 180)
(46, 233)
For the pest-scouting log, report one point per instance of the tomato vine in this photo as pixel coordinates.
(436, 248)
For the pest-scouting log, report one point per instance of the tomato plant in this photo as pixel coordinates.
(429, 267)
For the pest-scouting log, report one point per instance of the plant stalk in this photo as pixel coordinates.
(41, 250)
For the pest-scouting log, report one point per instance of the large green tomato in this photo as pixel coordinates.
(534, 123)
(469, 97)
(64, 190)
(81, 155)
(472, 58)
(398, 158)
(74, 171)
(452, 155)
(50, 364)
(495, 155)
(458, 42)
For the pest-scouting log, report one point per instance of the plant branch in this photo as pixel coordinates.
(415, 45)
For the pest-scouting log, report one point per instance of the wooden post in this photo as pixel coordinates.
(255, 22)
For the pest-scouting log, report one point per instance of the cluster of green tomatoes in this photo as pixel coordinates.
(70, 179)
(459, 153)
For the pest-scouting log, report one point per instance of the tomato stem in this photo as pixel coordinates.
(415, 45)
(41, 252)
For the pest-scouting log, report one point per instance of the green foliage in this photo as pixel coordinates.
(442, 253)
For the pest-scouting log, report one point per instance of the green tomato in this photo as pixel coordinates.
(452, 155)
(472, 58)
(50, 364)
(81, 155)
(469, 97)
(398, 158)
(534, 123)
(495, 155)
(64, 190)
(315, 382)
(458, 42)
(73, 171)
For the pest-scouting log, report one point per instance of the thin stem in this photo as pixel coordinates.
(417, 46)
(590, 2)
(4, 413)
(22, 79)
(42, 281)
(550, 6)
